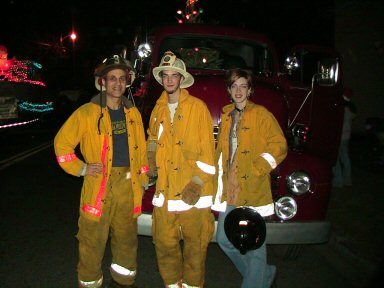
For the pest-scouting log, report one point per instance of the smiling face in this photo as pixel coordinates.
(115, 83)
(239, 92)
(240, 85)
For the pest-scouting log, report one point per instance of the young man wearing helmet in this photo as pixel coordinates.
(181, 153)
(250, 145)
(110, 132)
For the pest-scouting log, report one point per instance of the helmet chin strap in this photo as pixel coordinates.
(101, 110)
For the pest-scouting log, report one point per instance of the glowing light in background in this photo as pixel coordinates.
(18, 123)
(21, 71)
(73, 36)
(190, 14)
(36, 107)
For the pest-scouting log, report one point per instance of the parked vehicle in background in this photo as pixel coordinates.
(24, 97)
(304, 94)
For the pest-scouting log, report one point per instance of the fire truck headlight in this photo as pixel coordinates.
(285, 208)
(299, 183)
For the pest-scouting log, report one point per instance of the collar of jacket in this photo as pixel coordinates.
(96, 100)
(163, 99)
(228, 109)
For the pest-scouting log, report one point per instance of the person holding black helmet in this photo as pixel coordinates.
(112, 142)
(250, 145)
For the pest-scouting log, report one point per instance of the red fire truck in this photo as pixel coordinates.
(304, 93)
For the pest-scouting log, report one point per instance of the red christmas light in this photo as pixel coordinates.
(190, 14)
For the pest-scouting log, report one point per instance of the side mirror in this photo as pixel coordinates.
(144, 50)
(140, 63)
(328, 72)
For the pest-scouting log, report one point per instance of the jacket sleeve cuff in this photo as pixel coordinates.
(151, 145)
(83, 170)
(197, 180)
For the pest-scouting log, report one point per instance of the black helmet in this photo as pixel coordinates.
(245, 229)
(114, 62)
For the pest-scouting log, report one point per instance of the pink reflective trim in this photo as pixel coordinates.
(66, 158)
(137, 210)
(144, 169)
(92, 210)
(96, 210)
(101, 194)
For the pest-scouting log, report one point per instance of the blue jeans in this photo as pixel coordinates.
(252, 265)
(342, 170)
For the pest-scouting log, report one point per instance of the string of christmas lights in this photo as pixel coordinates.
(33, 107)
(190, 14)
(21, 71)
(18, 123)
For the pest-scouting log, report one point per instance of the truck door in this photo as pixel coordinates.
(315, 101)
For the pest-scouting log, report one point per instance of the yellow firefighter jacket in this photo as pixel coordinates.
(184, 149)
(82, 128)
(261, 147)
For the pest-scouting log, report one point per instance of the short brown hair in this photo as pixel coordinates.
(234, 74)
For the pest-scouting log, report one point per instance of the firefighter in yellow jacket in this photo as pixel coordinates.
(181, 153)
(112, 142)
(250, 145)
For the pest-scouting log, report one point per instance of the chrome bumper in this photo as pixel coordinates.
(277, 232)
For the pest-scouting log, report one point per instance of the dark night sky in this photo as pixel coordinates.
(103, 24)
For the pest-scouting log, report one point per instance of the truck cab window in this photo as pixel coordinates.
(309, 62)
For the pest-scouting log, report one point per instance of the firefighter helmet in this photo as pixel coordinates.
(245, 229)
(172, 63)
(111, 63)
(114, 62)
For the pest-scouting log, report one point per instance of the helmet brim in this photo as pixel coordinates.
(188, 78)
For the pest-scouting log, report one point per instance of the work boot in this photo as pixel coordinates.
(95, 284)
(176, 285)
(114, 284)
(189, 286)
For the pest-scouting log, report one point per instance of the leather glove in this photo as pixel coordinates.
(152, 164)
(191, 193)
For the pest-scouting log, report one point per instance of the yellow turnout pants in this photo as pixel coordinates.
(195, 227)
(118, 222)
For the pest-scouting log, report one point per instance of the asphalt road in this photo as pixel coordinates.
(38, 220)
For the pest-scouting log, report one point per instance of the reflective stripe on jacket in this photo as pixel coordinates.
(185, 149)
(82, 128)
